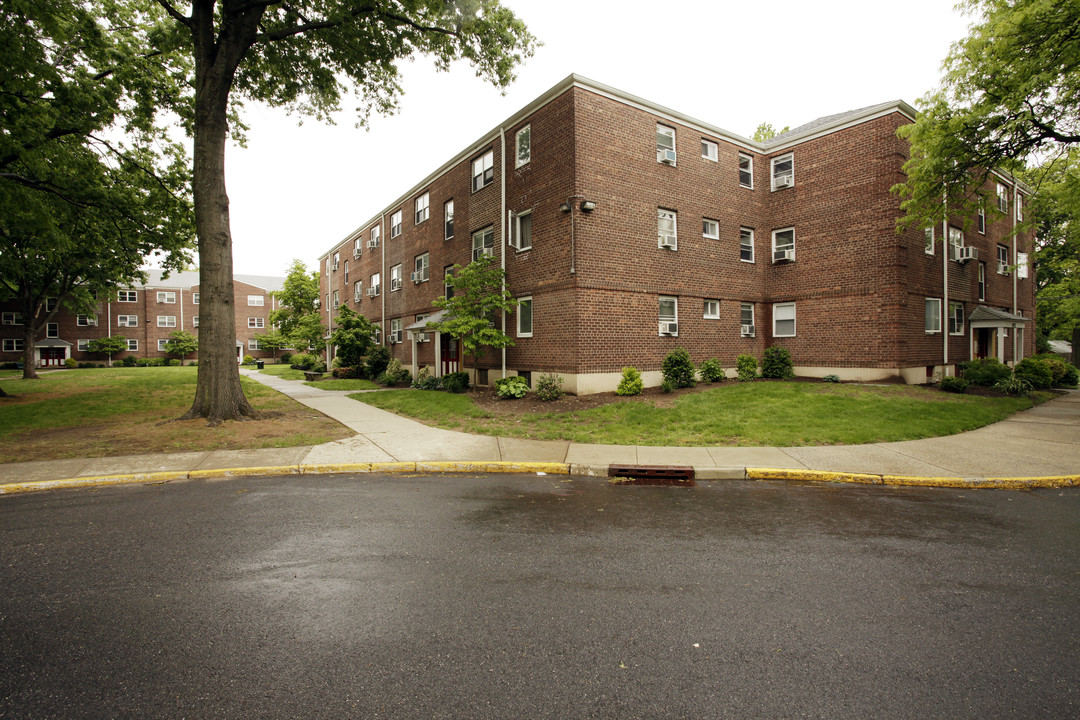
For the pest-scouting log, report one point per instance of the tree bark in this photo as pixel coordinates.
(29, 333)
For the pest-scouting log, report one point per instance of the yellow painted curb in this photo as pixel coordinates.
(333, 468)
(232, 472)
(96, 481)
(1015, 483)
(494, 466)
(810, 475)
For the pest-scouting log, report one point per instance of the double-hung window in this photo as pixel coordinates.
(982, 280)
(395, 278)
(133, 345)
(1003, 260)
(525, 317)
(667, 229)
(712, 310)
(162, 344)
(746, 171)
(669, 315)
(521, 229)
(483, 243)
(1003, 198)
(783, 171)
(783, 245)
(956, 318)
(421, 272)
(166, 297)
(710, 150)
(523, 144)
(710, 229)
(448, 219)
(82, 345)
(127, 321)
(665, 144)
(166, 321)
(52, 330)
(483, 170)
(258, 322)
(980, 221)
(128, 296)
(85, 320)
(933, 315)
(395, 330)
(395, 226)
(358, 290)
(928, 241)
(195, 298)
(358, 247)
(783, 318)
(956, 241)
(13, 345)
(374, 287)
(195, 321)
(1022, 265)
(12, 318)
(422, 208)
(256, 300)
(746, 245)
(376, 234)
(746, 320)
(337, 304)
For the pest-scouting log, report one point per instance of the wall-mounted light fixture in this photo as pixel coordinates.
(565, 207)
(587, 206)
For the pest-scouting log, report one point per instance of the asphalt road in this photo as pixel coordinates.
(538, 597)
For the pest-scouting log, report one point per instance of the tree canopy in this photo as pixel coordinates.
(353, 337)
(297, 315)
(765, 131)
(480, 294)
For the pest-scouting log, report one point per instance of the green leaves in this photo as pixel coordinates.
(479, 295)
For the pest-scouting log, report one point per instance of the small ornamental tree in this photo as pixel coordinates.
(181, 344)
(352, 337)
(470, 315)
(108, 346)
(273, 340)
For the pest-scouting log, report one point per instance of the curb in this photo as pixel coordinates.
(542, 468)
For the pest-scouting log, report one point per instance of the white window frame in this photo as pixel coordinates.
(395, 277)
(662, 218)
(663, 135)
(932, 318)
(375, 236)
(744, 234)
(254, 344)
(448, 219)
(523, 146)
(782, 309)
(742, 318)
(195, 298)
(395, 226)
(375, 284)
(82, 345)
(260, 300)
(483, 171)
(257, 323)
(981, 286)
(167, 297)
(337, 304)
(749, 170)
(483, 242)
(161, 344)
(128, 296)
(956, 241)
(358, 246)
(1003, 198)
(358, 291)
(1002, 259)
(980, 224)
(422, 267)
(929, 241)
(133, 345)
(956, 318)
(521, 220)
(1019, 208)
(13, 345)
(395, 330)
(423, 208)
(776, 175)
(85, 320)
(195, 321)
(711, 309)
(12, 318)
(52, 330)
(166, 321)
(672, 317)
(523, 302)
(710, 150)
(1021, 265)
(786, 245)
(127, 321)
(710, 229)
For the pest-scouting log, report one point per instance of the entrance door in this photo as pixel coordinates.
(52, 357)
(984, 343)
(449, 351)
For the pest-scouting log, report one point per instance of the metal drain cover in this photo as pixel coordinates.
(677, 475)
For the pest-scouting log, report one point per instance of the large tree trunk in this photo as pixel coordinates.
(218, 394)
(29, 335)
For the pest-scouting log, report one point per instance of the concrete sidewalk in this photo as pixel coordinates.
(1043, 442)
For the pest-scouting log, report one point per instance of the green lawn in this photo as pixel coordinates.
(732, 414)
(327, 383)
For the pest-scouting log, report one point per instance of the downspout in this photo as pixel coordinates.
(943, 317)
(384, 279)
(181, 290)
(503, 235)
(329, 311)
(1015, 263)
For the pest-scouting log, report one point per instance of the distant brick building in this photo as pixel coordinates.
(628, 229)
(146, 315)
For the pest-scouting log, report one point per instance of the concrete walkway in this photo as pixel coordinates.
(1043, 442)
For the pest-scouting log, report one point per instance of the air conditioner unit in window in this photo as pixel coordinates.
(747, 330)
(669, 242)
(372, 244)
(965, 253)
(373, 291)
(356, 252)
(783, 181)
(669, 328)
(395, 337)
(485, 252)
(356, 296)
(395, 284)
(785, 255)
(423, 337)
(1003, 268)
(666, 156)
(335, 265)
(415, 277)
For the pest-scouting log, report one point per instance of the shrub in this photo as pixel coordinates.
(1013, 385)
(631, 383)
(172, 362)
(1057, 368)
(456, 382)
(129, 361)
(346, 373)
(303, 361)
(549, 387)
(395, 374)
(711, 371)
(678, 368)
(953, 384)
(248, 360)
(511, 387)
(776, 363)
(9, 366)
(746, 367)
(831, 378)
(1036, 372)
(425, 381)
(986, 372)
(1071, 378)
(667, 385)
(376, 361)
(285, 358)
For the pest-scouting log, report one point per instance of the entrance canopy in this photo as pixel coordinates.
(52, 343)
(987, 317)
(422, 325)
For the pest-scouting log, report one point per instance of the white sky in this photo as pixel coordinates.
(297, 190)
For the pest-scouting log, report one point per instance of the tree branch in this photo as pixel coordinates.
(174, 13)
(1049, 131)
(326, 24)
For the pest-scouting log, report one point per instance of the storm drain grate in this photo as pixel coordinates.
(677, 475)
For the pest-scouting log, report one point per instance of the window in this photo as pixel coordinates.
(783, 172)
(483, 243)
(129, 296)
(521, 230)
(395, 278)
(956, 241)
(982, 280)
(358, 247)
(52, 330)
(712, 309)
(13, 345)
(783, 320)
(1002, 260)
(260, 300)
(194, 321)
(377, 335)
(448, 219)
(956, 318)
(746, 320)
(166, 297)
(524, 318)
(357, 292)
(195, 298)
(483, 170)
(1021, 265)
(395, 227)
(85, 320)
(257, 322)
(980, 221)
(1020, 208)
(665, 145)
(337, 260)
(523, 143)
(420, 268)
(11, 318)
(783, 245)
(710, 150)
(337, 304)
(746, 245)
(669, 315)
(50, 304)
(346, 278)
(376, 234)
(166, 321)
(448, 287)
(1003, 198)
(162, 344)
(395, 330)
(933, 315)
(127, 321)
(710, 229)
(421, 209)
(928, 240)
(667, 229)
(746, 171)
(82, 345)
(254, 344)
(133, 345)
(373, 287)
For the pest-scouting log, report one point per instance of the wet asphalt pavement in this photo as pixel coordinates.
(538, 597)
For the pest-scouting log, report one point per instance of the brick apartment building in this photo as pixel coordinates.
(146, 315)
(628, 229)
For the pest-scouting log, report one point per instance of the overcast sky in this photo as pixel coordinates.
(297, 190)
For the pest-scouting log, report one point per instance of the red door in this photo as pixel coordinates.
(52, 357)
(449, 351)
